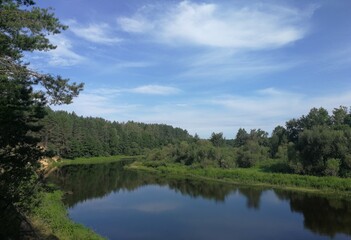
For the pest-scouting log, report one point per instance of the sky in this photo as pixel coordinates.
(205, 66)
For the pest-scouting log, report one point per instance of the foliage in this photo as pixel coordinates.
(24, 28)
(19, 115)
(278, 139)
(251, 153)
(201, 153)
(217, 139)
(332, 167)
(69, 136)
(241, 137)
(320, 143)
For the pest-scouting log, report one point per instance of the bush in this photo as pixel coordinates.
(250, 154)
(332, 167)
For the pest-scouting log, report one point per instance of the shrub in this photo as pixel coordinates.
(332, 167)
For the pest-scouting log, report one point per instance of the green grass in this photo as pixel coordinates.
(252, 176)
(50, 220)
(92, 160)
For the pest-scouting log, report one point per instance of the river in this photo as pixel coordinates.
(126, 204)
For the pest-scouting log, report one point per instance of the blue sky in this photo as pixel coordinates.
(206, 66)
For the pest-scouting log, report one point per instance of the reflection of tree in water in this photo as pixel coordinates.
(204, 189)
(96, 181)
(322, 215)
(253, 196)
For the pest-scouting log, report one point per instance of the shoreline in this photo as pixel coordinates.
(252, 177)
(51, 218)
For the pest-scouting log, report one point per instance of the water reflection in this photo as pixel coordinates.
(96, 181)
(326, 216)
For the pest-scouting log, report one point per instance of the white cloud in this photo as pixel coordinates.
(264, 104)
(145, 89)
(134, 25)
(96, 32)
(230, 64)
(155, 90)
(208, 24)
(272, 92)
(63, 55)
(97, 105)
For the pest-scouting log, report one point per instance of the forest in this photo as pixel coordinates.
(315, 144)
(69, 136)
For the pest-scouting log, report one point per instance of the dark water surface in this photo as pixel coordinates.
(120, 204)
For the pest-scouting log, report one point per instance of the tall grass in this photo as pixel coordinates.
(93, 160)
(253, 176)
(51, 221)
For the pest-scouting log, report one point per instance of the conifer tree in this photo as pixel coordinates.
(24, 28)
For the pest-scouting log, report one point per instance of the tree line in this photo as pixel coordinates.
(70, 136)
(316, 144)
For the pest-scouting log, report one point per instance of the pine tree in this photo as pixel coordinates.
(24, 28)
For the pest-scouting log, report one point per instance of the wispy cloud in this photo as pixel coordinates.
(145, 89)
(134, 25)
(63, 55)
(211, 25)
(155, 90)
(100, 33)
(97, 105)
(230, 64)
(264, 103)
(222, 43)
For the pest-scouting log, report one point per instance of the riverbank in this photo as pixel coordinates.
(250, 176)
(50, 220)
(258, 175)
(93, 160)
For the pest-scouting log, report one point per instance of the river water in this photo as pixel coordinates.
(125, 204)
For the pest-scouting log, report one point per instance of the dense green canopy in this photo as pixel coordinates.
(24, 28)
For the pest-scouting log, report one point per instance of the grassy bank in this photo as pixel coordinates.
(51, 221)
(93, 160)
(251, 176)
